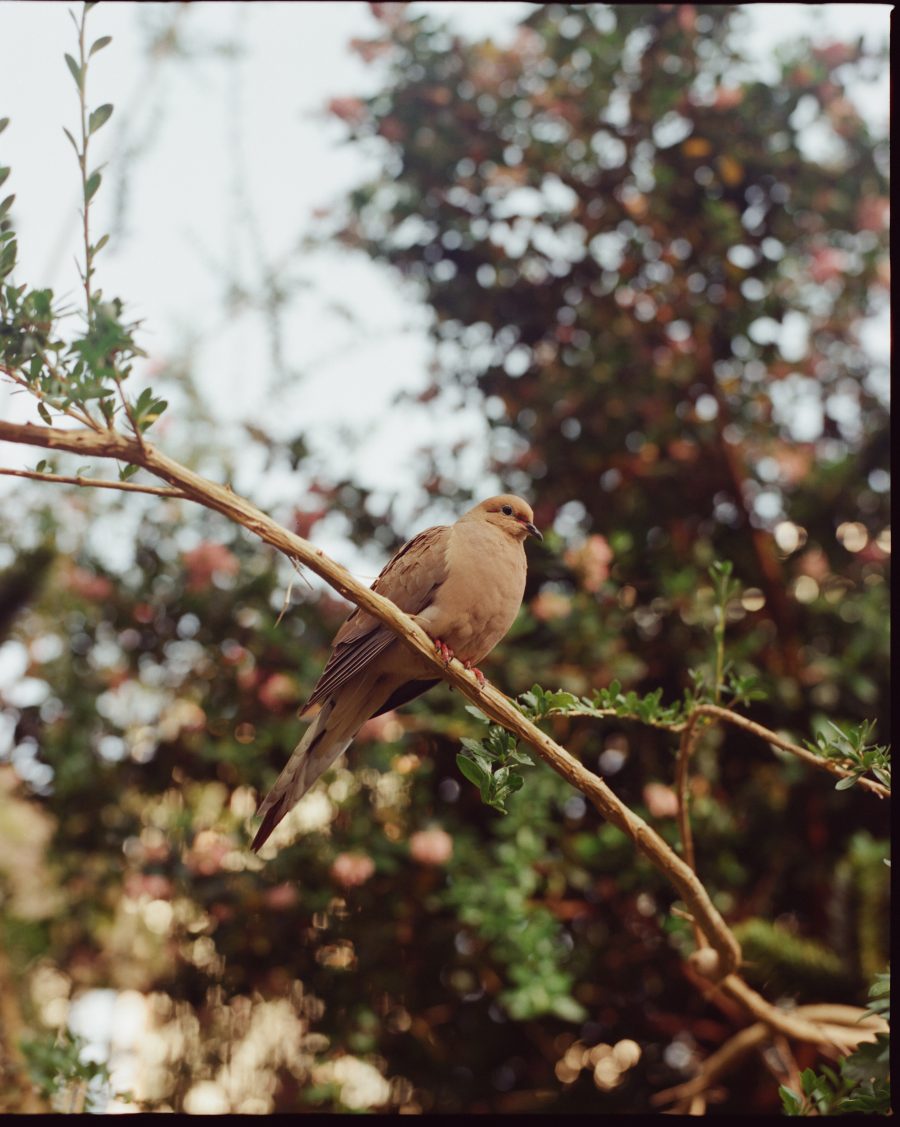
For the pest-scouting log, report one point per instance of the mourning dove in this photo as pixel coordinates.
(463, 584)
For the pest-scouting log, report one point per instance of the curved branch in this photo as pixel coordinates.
(718, 962)
(494, 704)
(735, 718)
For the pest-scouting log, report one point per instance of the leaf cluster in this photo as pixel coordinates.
(490, 763)
(850, 745)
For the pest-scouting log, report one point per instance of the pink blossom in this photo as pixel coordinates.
(352, 110)
(662, 802)
(206, 561)
(277, 691)
(591, 561)
(548, 605)
(727, 97)
(352, 869)
(826, 263)
(873, 213)
(89, 586)
(431, 847)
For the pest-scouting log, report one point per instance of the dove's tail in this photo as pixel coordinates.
(321, 745)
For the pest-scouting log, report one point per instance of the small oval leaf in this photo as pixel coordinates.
(91, 186)
(99, 117)
(75, 71)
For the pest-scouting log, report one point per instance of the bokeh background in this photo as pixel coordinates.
(629, 261)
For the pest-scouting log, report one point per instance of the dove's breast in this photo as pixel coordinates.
(481, 596)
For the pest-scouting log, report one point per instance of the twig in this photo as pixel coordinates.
(847, 1020)
(128, 412)
(715, 1065)
(686, 746)
(125, 486)
(33, 389)
(729, 717)
(735, 718)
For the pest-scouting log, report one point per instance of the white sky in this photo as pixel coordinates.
(184, 237)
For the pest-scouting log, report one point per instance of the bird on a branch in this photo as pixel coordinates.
(463, 584)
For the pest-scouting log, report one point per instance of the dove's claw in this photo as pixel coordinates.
(479, 676)
(444, 650)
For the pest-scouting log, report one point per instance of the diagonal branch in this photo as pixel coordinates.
(718, 962)
(494, 704)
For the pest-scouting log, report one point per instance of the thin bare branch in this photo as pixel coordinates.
(93, 483)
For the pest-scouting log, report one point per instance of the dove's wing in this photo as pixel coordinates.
(410, 580)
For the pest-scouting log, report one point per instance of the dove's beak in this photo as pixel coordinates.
(532, 529)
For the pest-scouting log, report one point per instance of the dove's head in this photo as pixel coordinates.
(507, 512)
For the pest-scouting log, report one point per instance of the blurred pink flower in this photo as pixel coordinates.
(352, 110)
(153, 885)
(431, 847)
(85, 583)
(305, 520)
(662, 802)
(207, 851)
(727, 97)
(826, 263)
(281, 896)
(873, 212)
(352, 869)
(591, 561)
(834, 54)
(547, 605)
(277, 691)
(207, 560)
(814, 563)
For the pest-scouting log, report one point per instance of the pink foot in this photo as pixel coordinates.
(444, 650)
(479, 676)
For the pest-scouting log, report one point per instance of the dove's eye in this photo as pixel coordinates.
(507, 510)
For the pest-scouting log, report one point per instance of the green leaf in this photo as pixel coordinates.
(127, 471)
(477, 713)
(846, 783)
(6, 205)
(45, 414)
(4, 121)
(100, 244)
(4, 172)
(568, 1009)
(791, 1103)
(99, 117)
(471, 770)
(99, 44)
(72, 140)
(8, 258)
(91, 186)
(75, 71)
